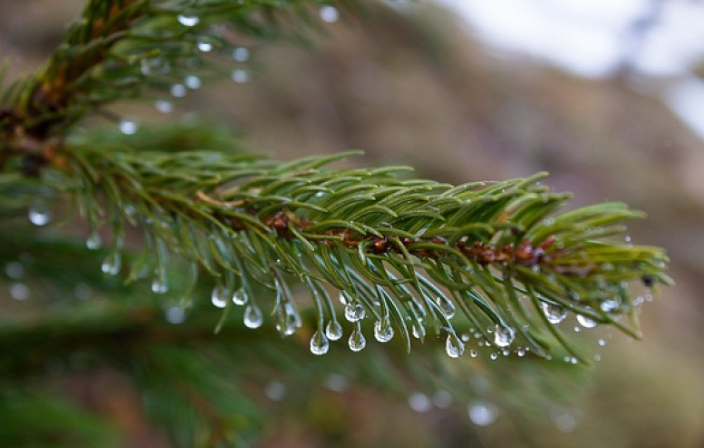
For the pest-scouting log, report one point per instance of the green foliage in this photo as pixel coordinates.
(492, 264)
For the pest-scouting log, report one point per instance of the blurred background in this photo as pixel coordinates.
(608, 98)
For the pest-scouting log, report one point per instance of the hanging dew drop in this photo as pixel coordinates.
(240, 76)
(240, 297)
(343, 298)
(160, 284)
(112, 263)
(453, 346)
(192, 82)
(448, 309)
(39, 214)
(609, 306)
(178, 90)
(383, 332)
(482, 414)
(329, 14)
(418, 331)
(218, 297)
(128, 127)
(354, 312)
(357, 342)
(164, 106)
(333, 330)
(553, 313)
(188, 20)
(586, 322)
(241, 54)
(253, 317)
(503, 336)
(319, 344)
(93, 242)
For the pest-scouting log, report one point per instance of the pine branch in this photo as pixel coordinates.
(404, 254)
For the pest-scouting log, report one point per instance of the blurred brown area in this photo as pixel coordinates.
(415, 89)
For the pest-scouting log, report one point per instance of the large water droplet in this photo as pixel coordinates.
(175, 315)
(554, 313)
(333, 330)
(586, 322)
(218, 297)
(241, 54)
(240, 76)
(482, 414)
(289, 320)
(419, 402)
(112, 263)
(39, 214)
(383, 331)
(357, 342)
(188, 20)
(128, 127)
(253, 317)
(93, 242)
(240, 297)
(454, 346)
(19, 291)
(329, 14)
(447, 307)
(354, 312)
(503, 336)
(319, 344)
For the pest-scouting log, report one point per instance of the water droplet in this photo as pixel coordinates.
(218, 297)
(275, 391)
(447, 307)
(602, 342)
(521, 352)
(577, 329)
(205, 47)
(465, 337)
(192, 82)
(178, 90)
(453, 346)
(19, 291)
(597, 357)
(357, 342)
(319, 344)
(503, 336)
(586, 322)
(240, 76)
(164, 106)
(329, 14)
(14, 270)
(240, 297)
(94, 242)
(609, 306)
(241, 54)
(419, 402)
(482, 414)
(333, 330)
(112, 263)
(160, 284)
(383, 331)
(39, 214)
(418, 330)
(128, 127)
(442, 399)
(354, 312)
(554, 313)
(289, 320)
(188, 20)
(253, 317)
(336, 382)
(494, 356)
(175, 315)
(473, 353)
(343, 298)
